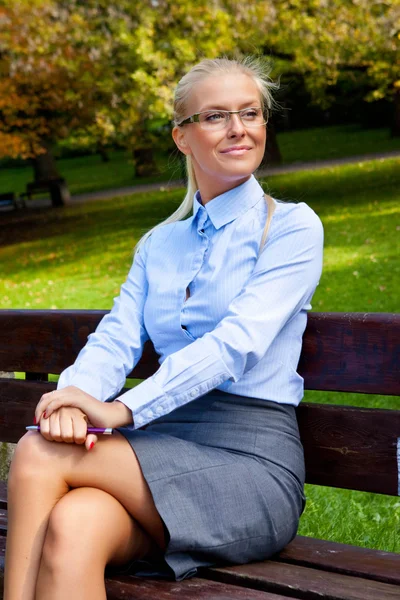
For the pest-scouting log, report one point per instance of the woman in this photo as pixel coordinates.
(207, 466)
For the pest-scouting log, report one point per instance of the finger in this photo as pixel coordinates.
(55, 428)
(42, 405)
(79, 428)
(91, 441)
(66, 426)
(45, 429)
(61, 398)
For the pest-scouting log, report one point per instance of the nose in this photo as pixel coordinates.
(235, 126)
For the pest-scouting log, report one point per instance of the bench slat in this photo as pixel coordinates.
(354, 352)
(342, 558)
(307, 583)
(348, 447)
(121, 587)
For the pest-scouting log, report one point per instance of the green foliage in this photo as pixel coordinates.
(357, 39)
(106, 71)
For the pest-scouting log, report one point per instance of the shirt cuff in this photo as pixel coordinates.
(147, 402)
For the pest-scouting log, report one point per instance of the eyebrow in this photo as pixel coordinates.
(250, 104)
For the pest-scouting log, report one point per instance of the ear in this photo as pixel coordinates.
(178, 135)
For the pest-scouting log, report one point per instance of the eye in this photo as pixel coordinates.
(250, 114)
(212, 117)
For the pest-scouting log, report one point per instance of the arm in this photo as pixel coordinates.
(116, 346)
(281, 285)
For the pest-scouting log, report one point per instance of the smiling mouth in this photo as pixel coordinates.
(236, 150)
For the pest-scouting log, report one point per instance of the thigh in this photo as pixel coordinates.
(111, 466)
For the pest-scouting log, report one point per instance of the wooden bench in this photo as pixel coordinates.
(57, 188)
(347, 447)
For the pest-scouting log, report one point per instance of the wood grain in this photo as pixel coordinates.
(342, 558)
(345, 447)
(354, 352)
(312, 584)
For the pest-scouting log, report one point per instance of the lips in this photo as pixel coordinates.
(237, 150)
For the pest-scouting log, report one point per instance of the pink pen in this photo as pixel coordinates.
(101, 430)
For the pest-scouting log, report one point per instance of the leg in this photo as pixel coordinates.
(42, 473)
(87, 529)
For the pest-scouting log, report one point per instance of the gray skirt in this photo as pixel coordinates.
(227, 476)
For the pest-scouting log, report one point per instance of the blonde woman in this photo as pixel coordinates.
(206, 465)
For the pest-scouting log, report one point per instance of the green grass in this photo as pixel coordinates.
(77, 257)
(334, 142)
(89, 173)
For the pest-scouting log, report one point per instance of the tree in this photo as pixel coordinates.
(332, 40)
(106, 72)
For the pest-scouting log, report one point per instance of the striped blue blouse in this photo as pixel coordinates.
(241, 328)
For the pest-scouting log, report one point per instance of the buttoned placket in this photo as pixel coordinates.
(196, 264)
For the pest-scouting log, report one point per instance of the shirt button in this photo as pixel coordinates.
(159, 410)
(193, 393)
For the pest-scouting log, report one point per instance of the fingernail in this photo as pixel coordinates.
(44, 414)
(91, 445)
(34, 420)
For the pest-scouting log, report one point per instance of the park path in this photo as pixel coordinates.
(281, 169)
(173, 184)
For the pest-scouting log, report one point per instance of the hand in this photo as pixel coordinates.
(69, 425)
(100, 414)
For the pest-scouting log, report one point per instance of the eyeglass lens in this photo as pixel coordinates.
(218, 119)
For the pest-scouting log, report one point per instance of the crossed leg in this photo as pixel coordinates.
(71, 512)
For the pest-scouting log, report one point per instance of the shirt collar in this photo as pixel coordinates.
(228, 206)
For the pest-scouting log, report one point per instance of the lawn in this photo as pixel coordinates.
(89, 173)
(78, 256)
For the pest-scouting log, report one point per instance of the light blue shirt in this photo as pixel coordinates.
(240, 330)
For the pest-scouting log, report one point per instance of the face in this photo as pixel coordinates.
(226, 158)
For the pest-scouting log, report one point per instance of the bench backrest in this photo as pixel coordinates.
(355, 448)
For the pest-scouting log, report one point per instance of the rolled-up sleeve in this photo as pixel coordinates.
(116, 346)
(280, 286)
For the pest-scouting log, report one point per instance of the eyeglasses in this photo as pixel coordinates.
(218, 119)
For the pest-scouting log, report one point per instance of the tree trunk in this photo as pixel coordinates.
(395, 130)
(103, 153)
(272, 154)
(144, 162)
(44, 165)
(45, 170)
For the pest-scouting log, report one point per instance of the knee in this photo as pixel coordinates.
(30, 458)
(71, 533)
(64, 536)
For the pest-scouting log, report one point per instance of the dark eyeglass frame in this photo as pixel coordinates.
(196, 117)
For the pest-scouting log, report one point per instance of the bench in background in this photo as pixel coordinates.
(56, 187)
(346, 447)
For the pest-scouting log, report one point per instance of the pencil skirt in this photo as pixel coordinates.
(227, 476)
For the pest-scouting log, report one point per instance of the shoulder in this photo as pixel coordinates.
(296, 217)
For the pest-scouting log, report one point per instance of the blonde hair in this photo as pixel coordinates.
(258, 68)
